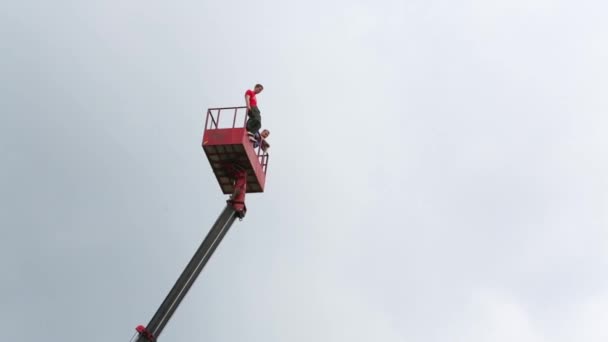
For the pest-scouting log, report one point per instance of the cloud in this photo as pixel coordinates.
(498, 317)
(589, 321)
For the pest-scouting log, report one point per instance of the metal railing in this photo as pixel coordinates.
(263, 159)
(214, 117)
(215, 120)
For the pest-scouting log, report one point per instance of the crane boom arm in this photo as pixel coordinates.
(233, 210)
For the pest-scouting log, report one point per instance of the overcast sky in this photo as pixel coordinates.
(438, 170)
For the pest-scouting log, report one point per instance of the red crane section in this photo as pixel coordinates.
(228, 149)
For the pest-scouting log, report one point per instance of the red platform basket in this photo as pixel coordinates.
(227, 146)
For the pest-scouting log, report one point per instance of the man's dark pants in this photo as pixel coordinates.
(254, 123)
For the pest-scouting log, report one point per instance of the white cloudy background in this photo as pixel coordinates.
(438, 172)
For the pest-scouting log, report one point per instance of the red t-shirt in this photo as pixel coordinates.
(252, 100)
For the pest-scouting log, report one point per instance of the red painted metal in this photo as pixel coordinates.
(145, 333)
(237, 200)
(228, 146)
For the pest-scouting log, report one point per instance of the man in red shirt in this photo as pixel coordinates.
(254, 123)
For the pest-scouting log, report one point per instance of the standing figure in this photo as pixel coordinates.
(254, 121)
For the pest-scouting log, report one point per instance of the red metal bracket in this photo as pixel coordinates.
(145, 333)
(237, 200)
